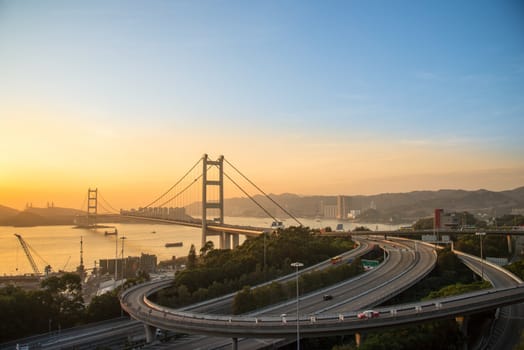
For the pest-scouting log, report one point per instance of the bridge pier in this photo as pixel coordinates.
(226, 240)
(359, 338)
(463, 327)
(235, 344)
(510, 246)
(150, 333)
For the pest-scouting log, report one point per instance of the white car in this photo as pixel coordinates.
(368, 314)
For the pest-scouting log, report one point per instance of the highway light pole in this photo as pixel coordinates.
(481, 234)
(123, 261)
(264, 267)
(116, 258)
(297, 265)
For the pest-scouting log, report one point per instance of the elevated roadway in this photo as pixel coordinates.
(509, 322)
(322, 324)
(397, 274)
(249, 231)
(330, 321)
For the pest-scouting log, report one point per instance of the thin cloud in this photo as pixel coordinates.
(425, 75)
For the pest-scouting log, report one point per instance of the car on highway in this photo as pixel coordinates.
(327, 297)
(368, 314)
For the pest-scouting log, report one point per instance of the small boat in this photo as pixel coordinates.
(109, 233)
(175, 244)
(153, 231)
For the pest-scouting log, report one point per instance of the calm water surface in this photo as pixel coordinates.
(60, 245)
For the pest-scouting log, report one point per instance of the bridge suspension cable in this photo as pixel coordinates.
(169, 190)
(115, 211)
(83, 206)
(249, 196)
(181, 191)
(265, 194)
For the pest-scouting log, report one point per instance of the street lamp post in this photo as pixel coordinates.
(116, 257)
(297, 265)
(264, 267)
(481, 234)
(123, 261)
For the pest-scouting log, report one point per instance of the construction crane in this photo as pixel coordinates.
(27, 251)
(67, 262)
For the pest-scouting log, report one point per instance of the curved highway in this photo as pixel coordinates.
(332, 320)
(403, 268)
(222, 305)
(510, 319)
(320, 325)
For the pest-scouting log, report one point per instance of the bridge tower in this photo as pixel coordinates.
(215, 204)
(92, 206)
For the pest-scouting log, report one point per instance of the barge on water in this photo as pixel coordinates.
(175, 244)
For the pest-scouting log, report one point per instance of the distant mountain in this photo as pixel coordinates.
(23, 219)
(38, 216)
(55, 211)
(390, 207)
(6, 212)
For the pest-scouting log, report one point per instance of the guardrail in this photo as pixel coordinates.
(316, 325)
(489, 263)
(312, 324)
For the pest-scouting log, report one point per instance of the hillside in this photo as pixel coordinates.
(392, 207)
(6, 212)
(37, 216)
(389, 207)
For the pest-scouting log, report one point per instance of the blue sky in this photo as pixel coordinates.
(384, 77)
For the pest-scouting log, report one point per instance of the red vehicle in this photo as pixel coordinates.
(368, 314)
(335, 260)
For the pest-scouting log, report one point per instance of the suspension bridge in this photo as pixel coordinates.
(197, 200)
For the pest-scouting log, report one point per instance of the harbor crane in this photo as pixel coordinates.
(27, 251)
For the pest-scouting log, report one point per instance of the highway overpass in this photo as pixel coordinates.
(315, 321)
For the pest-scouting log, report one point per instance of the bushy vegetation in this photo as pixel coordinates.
(495, 246)
(458, 288)
(423, 224)
(449, 271)
(517, 268)
(254, 298)
(509, 220)
(438, 335)
(216, 272)
(58, 304)
(361, 229)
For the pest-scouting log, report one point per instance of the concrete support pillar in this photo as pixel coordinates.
(359, 337)
(150, 333)
(227, 240)
(235, 344)
(236, 240)
(204, 200)
(510, 247)
(463, 326)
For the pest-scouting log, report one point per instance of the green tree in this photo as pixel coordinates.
(63, 296)
(423, 224)
(209, 246)
(361, 229)
(103, 307)
(192, 257)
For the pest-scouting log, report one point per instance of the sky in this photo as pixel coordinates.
(307, 97)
